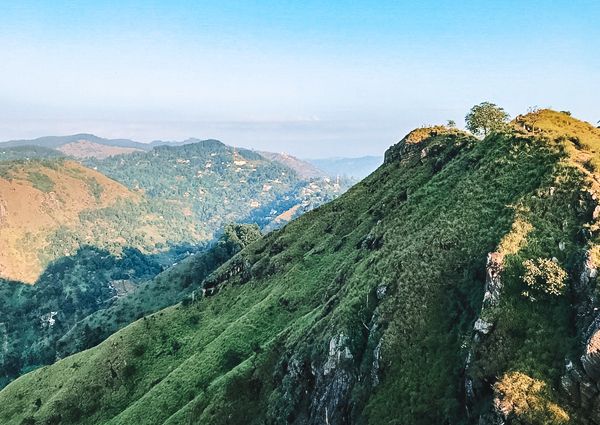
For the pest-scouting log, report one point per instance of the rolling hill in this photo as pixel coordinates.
(455, 284)
(92, 246)
(304, 169)
(81, 145)
(27, 152)
(167, 196)
(215, 184)
(50, 208)
(54, 142)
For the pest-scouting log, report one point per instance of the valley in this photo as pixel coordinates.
(456, 284)
(91, 236)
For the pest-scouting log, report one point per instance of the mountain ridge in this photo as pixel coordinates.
(370, 305)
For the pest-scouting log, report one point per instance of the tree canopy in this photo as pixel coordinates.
(486, 118)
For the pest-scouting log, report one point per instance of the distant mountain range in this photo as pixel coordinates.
(303, 168)
(85, 146)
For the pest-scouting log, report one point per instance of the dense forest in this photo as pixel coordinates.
(215, 184)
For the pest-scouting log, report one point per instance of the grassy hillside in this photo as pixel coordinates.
(50, 208)
(168, 288)
(363, 310)
(172, 195)
(82, 236)
(82, 299)
(35, 317)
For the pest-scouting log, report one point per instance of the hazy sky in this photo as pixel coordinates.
(313, 78)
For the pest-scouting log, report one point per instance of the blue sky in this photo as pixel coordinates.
(312, 78)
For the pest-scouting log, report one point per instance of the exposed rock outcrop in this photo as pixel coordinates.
(581, 380)
(483, 326)
(333, 383)
(3, 212)
(3, 342)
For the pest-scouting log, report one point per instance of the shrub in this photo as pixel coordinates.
(139, 350)
(41, 181)
(528, 400)
(544, 275)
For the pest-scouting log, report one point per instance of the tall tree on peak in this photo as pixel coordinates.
(486, 118)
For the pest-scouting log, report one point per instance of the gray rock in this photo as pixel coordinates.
(375, 367)
(338, 351)
(482, 326)
(590, 360)
(381, 291)
(493, 283)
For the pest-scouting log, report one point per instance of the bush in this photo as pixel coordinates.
(545, 276)
(41, 181)
(529, 400)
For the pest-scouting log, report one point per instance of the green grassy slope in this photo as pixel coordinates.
(358, 312)
(168, 288)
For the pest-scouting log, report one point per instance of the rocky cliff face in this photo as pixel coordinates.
(477, 389)
(581, 380)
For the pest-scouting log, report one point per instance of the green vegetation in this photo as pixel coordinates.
(27, 152)
(170, 287)
(528, 399)
(187, 208)
(486, 118)
(362, 310)
(215, 184)
(41, 181)
(544, 275)
(93, 294)
(71, 288)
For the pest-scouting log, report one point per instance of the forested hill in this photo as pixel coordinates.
(166, 197)
(89, 242)
(454, 285)
(214, 184)
(28, 152)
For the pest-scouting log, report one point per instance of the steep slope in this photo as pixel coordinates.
(368, 309)
(35, 317)
(50, 208)
(81, 300)
(168, 288)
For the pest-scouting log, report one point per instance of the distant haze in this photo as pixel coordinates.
(311, 78)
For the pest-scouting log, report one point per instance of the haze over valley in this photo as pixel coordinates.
(260, 213)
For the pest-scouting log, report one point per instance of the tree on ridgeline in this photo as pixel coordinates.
(486, 118)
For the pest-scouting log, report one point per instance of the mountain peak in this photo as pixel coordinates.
(418, 140)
